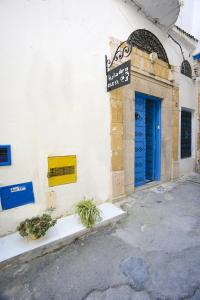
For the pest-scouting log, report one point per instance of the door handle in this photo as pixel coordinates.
(137, 116)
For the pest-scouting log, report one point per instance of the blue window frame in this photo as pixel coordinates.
(5, 155)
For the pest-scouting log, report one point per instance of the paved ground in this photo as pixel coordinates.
(153, 253)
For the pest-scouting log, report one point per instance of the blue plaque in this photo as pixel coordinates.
(16, 195)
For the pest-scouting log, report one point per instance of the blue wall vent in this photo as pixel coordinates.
(196, 57)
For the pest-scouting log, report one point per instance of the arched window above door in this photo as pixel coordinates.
(186, 69)
(148, 42)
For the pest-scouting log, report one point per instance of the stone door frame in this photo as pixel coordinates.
(149, 78)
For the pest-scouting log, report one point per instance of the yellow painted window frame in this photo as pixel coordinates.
(60, 162)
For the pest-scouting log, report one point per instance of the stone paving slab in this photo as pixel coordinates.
(153, 253)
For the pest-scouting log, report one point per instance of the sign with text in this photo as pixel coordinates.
(119, 76)
(16, 195)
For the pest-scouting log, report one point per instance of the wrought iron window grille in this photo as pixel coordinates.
(148, 42)
(61, 171)
(141, 39)
(185, 66)
(186, 69)
(186, 134)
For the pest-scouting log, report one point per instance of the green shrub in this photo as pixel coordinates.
(88, 212)
(36, 227)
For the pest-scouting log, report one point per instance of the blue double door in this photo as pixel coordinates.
(147, 138)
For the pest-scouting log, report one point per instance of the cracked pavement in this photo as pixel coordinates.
(152, 253)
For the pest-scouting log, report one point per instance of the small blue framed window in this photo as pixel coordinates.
(5, 155)
(186, 133)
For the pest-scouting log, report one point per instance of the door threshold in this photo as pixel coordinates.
(147, 185)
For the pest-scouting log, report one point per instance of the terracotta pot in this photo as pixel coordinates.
(32, 236)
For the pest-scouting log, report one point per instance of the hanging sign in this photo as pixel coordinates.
(119, 76)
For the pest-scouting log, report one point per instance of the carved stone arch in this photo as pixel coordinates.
(148, 42)
(186, 69)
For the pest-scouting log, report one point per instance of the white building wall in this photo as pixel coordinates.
(53, 94)
(188, 102)
(188, 18)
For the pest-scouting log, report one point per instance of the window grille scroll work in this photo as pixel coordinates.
(123, 50)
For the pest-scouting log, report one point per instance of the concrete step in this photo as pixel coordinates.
(65, 231)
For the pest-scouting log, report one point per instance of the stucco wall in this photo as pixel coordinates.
(189, 18)
(53, 94)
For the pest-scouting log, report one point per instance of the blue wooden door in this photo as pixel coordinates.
(147, 138)
(139, 140)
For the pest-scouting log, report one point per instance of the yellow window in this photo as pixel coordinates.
(62, 170)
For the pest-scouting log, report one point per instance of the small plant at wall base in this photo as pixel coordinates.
(88, 212)
(36, 227)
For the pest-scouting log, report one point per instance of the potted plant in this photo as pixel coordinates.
(88, 212)
(36, 227)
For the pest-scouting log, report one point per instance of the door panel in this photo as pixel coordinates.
(150, 140)
(139, 140)
(157, 140)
